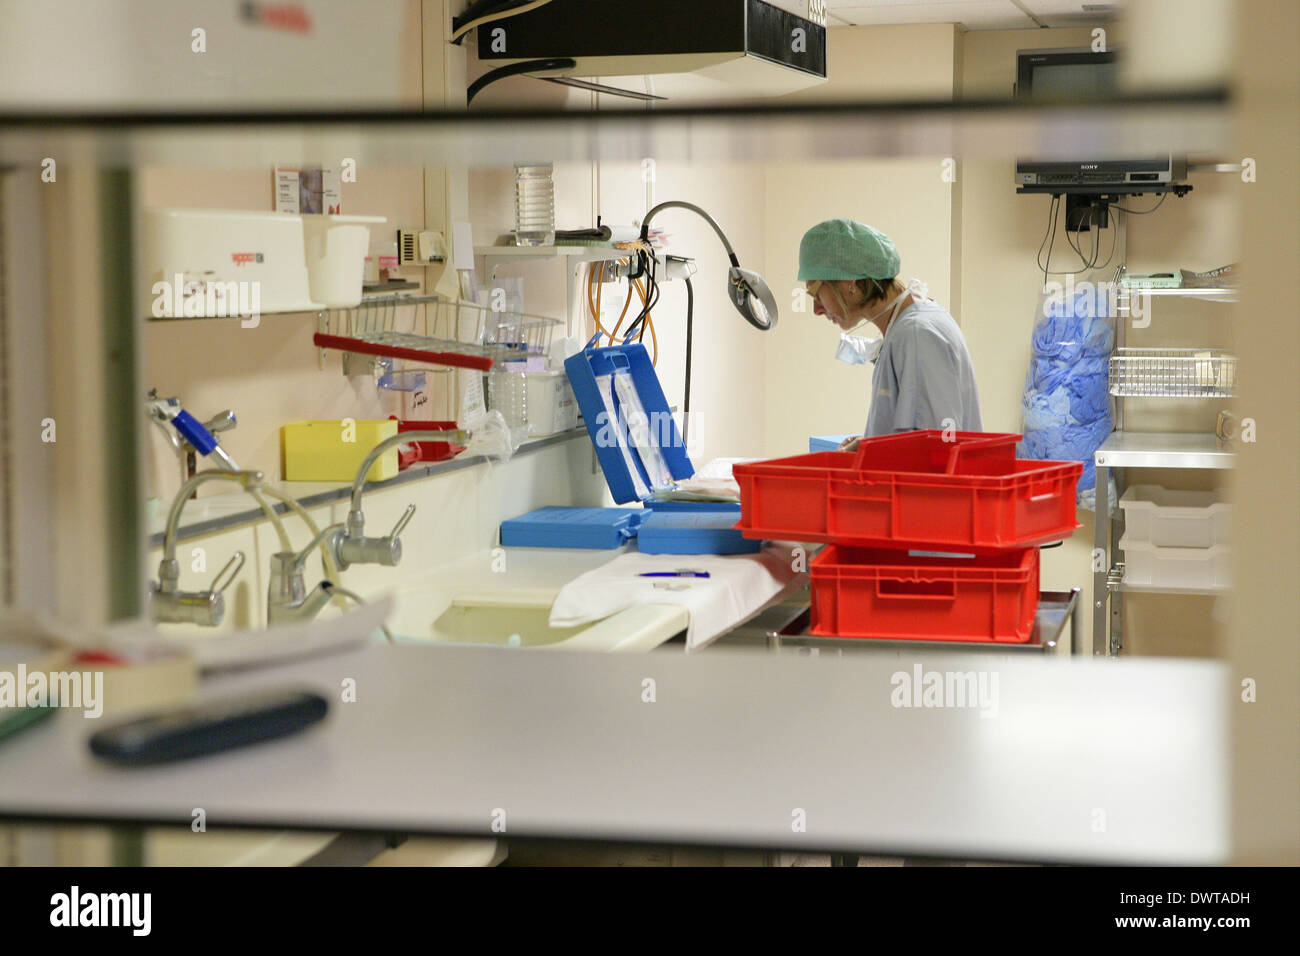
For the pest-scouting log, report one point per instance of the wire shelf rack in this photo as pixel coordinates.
(1173, 373)
(429, 329)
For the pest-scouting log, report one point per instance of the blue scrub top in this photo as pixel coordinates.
(923, 376)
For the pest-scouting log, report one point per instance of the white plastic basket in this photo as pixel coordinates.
(1175, 519)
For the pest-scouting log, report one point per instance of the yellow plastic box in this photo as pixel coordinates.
(334, 450)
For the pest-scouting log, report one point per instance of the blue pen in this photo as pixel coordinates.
(674, 574)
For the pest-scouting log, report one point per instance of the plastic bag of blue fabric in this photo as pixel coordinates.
(1066, 402)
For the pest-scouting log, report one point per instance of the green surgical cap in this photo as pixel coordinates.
(846, 249)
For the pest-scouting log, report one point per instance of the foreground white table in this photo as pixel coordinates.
(1090, 761)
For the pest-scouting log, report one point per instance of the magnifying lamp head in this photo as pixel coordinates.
(752, 298)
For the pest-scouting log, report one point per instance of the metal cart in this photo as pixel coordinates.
(783, 628)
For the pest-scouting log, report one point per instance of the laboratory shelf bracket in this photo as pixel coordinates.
(432, 330)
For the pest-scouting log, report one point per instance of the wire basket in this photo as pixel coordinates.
(430, 330)
(1173, 373)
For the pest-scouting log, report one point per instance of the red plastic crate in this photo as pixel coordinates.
(912, 490)
(894, 595)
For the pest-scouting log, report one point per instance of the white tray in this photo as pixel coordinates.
(1191, 569)
(1175, 519)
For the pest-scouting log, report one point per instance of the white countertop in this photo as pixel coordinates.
(1120, 761)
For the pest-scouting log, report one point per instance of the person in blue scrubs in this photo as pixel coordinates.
(923, 376)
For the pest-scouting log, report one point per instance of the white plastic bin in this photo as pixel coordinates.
(214, 262)
(1175, 519)
(1178, 569)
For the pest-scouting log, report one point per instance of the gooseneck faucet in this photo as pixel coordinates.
(168, 603)
(351, 546)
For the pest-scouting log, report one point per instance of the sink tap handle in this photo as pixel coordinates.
(403, 521)
(221, 422)
(226, 576)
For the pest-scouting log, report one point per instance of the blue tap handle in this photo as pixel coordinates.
(193, 432)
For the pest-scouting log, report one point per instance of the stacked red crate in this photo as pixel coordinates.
(934, 534)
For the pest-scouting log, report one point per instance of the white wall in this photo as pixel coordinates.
(805, 390)
(269, 374)
(728, 355)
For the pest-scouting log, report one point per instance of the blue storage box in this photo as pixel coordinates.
(699, 532)
(637, 443)
(641, 451)
(693, 506)
(595, 528)
(828, 442)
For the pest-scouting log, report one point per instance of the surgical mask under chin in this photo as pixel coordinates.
(858, 349)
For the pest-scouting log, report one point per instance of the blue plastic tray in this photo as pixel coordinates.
(594, 528)
(699, 532)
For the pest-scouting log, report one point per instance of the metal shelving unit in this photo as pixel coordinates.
(1151, 373)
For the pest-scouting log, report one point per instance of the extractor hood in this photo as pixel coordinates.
(690, 49)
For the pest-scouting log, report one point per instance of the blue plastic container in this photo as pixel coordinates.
(699, 532)
(828, 442)
(693, 506)
(669, 527)
(610, 436)
(591, 528)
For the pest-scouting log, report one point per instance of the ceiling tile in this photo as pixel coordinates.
(972, 14)
(1071, 13)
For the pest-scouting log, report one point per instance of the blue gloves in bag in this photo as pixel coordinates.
(1066, 402)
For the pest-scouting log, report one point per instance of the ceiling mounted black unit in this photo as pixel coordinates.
(704, 47)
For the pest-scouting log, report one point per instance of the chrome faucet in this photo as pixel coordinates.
(190, 438)
(167, 602)
(287, 596)
(350, 544)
